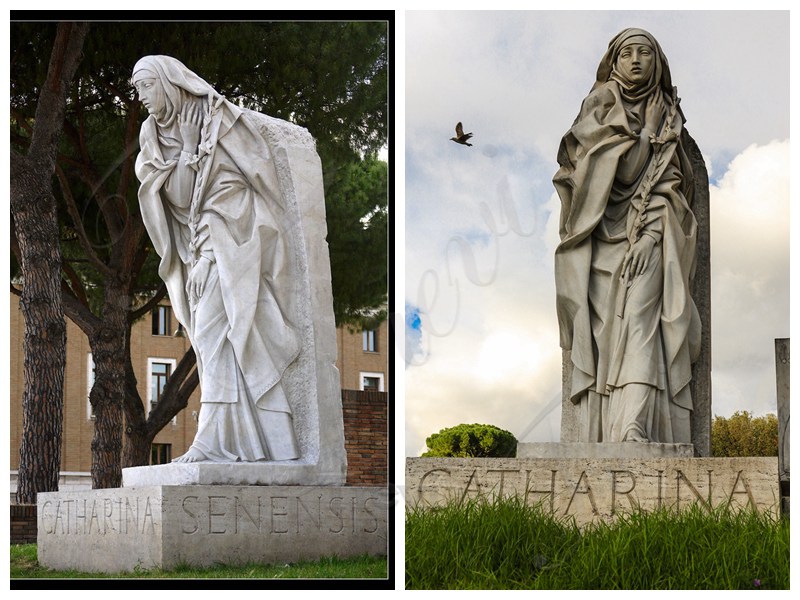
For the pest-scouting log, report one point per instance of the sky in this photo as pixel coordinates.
(480, 223)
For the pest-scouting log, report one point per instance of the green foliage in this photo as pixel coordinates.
(506, 544)
(358, 237)
(744, 435)
(472, 440)
(24, 565)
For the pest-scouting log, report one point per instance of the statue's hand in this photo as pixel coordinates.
(197, 279)
(638, 257)
(189, 121)
(654, 111)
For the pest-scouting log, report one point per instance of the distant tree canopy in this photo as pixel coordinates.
(744, 435)
(357, 234)
(475, 440)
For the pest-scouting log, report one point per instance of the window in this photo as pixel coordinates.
(370, 337)
(162, 320)
(160, 454)
(89, 384)
(371, 382)
(158, 372)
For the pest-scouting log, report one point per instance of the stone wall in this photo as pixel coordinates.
(366, 437)
(23, 524)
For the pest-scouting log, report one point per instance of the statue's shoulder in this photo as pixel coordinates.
(148, 129)
(604, 95)
(277, 131)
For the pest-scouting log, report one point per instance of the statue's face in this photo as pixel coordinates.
(151, 92)
(635, 62)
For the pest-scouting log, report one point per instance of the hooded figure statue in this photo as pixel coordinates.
(211, 203)
(627, 252)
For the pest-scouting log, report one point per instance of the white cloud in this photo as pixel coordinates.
(750, 277)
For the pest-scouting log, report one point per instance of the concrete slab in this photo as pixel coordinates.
(121, 529)
(241, 473)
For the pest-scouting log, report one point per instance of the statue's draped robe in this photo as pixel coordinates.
(241, 328)
(631, 372)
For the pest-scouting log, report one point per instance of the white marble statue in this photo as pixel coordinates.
(627, 251)
(212, 205)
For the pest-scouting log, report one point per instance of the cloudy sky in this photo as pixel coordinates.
(481, 340)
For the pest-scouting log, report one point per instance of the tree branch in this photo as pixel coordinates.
(175, 396)
(134, 406)
(78, 312)
(63, 63)
(22, 121)
(72, 210)
(90, 177)
(76, 285)
(137, 314)
(131, 144)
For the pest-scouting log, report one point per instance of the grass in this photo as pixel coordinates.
(505, 544)
(24, 565)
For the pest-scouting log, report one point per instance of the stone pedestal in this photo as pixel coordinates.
(295, 472)
(594, 489)
(163, 526)
(604, 450)
(782, 373)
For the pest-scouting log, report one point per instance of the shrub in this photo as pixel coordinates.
(743, 435)
(472, 441)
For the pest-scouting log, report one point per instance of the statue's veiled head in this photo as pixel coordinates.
(634, 60)
(163, 83)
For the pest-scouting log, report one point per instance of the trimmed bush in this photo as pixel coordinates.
(742, 434)
(474, 440)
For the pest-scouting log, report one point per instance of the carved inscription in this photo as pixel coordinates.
(281, 515)
(103, 516)
(616, 476)
(598, 492)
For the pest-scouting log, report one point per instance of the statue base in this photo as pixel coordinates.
(293, 472)
(121, 529)
(604, 450)
(590, 490)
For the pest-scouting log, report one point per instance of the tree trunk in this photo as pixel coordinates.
(109, 349)
(44, 345)
(138, 441)
(36, 227)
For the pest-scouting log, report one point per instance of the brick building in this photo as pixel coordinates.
(155, 351)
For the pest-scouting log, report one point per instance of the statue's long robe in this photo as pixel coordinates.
(658, 335)
(241, 329)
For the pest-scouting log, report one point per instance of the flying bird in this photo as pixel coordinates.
(461, 137)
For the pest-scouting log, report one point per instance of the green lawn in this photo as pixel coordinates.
(507, 545)
(24, 565)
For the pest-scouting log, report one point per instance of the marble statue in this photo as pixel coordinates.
(626, 258)
(212, 204)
